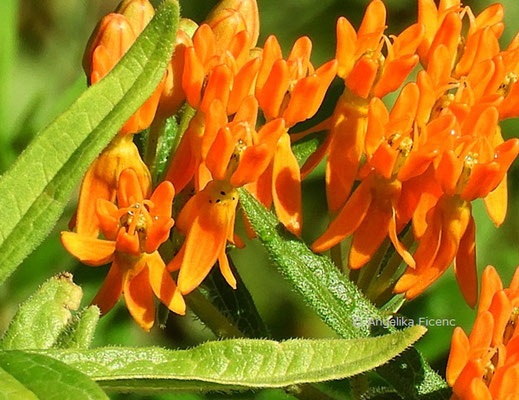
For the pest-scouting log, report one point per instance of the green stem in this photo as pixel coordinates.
(150, 155)
(369, 272)
(336, 256)
(389, 275)
(211, 316)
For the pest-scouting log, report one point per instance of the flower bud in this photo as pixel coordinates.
(111, 39)
(138, 13)
(224, 13)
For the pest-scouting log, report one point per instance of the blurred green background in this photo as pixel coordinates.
(41, 45)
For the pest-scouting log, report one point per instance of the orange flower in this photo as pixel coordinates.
(133, 231)
(471, 169)
(290, 88)
(442, 27)
(485, 365)
(366, 74)
(370, 214)
(238, 155)
(212, 71)
(100, 182)
(229, 15)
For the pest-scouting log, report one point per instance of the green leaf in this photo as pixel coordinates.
(8, 44)
(336, 300)
(238, 362)
(36, 189)
(44, 378)
(41, 319)
(11, 389)
(79, 332)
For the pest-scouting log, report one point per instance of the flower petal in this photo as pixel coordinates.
(163, 285)
(286, 186)
(139, 299)
(225, 269)
(204, 242)
(348, 220)
(111, 290)
(88, 250)
(129, 189)
(465, 265)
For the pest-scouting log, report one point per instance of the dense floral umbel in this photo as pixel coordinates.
(485, 365)
(133, 231)
(403, 176)
(439, 149)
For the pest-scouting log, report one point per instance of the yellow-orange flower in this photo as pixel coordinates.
(472, 168)
(485, 365)
(237, 155)
(100, 181)
(291, 88)
(133, 231)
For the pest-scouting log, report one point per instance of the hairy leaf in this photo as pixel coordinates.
(40, 320)
(237, 362)
(35, 376)
(79, 332)
(37, 187)
(336, 300)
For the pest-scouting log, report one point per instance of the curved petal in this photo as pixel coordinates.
(253, 163)
(162, 199)
(111, 290)
(204, 242)
(369, 235)
(286, 187)
(163, 285)
(129, 189)
(225, 269)
(458, 355)
(348, 220)
(465, 265)
(108, 222)
(88, 250)
(139, 299)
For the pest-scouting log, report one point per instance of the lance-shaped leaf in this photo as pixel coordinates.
(338, 301)
(27, 376)
(238, 362)
(35, 190)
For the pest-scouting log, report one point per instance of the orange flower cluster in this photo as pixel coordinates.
(421, 162)
(437, 150)
(485, 365)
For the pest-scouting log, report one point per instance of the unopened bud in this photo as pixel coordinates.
(111, 39)
(138, 13)
(223, 13)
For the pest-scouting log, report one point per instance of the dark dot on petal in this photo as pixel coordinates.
(222, 193)
(218, 200)
(210, 201)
